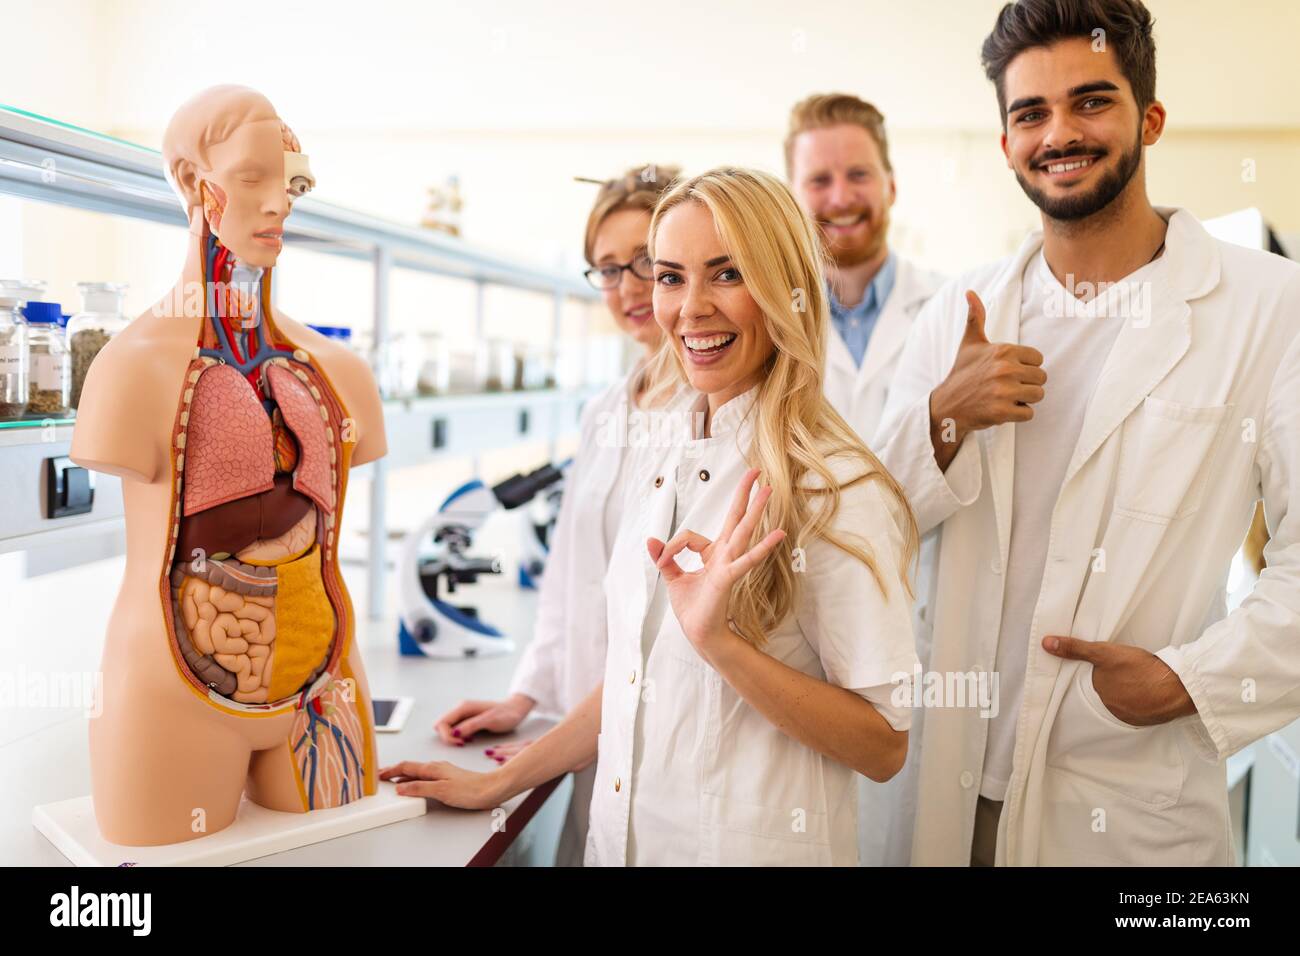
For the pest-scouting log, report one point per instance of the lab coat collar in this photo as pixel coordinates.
(908, 294)
(1149, 346)
(728, 420)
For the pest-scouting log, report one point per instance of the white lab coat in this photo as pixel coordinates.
(1196, 415)
(688, 773)
(859, 393)
(566, 657)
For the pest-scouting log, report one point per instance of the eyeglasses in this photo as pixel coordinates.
(610, 275)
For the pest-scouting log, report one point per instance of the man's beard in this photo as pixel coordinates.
(864, 251)
(1073, 208)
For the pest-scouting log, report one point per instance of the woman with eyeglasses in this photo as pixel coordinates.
(566, 657)
(759, 636)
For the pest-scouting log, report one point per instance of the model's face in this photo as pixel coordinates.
(700, 300)
(1074, 133)
(841, 181)
(248, 192)
(620, 239)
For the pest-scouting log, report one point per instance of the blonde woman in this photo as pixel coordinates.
(755, 636)
(566, 656)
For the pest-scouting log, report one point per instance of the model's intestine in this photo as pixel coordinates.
(232, 633)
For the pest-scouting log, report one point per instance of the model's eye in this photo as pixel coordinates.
(299, 186)
(1094, 101)
(729, 274)
(1031, 117)
(668, 279)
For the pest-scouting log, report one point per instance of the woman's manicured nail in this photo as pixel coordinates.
(488, 751)
(455, 733)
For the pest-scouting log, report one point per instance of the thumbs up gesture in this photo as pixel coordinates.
(990, 383)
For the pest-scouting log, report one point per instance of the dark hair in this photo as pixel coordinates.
(1126, 26)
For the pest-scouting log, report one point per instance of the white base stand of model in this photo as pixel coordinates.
(257, 832)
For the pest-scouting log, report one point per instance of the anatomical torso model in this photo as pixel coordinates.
(230, 664)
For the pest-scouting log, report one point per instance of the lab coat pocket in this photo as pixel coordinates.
(738, 833)
(764, 799)
(1163, 467)
(1143, 764)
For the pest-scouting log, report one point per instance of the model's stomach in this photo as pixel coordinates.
(255, 626)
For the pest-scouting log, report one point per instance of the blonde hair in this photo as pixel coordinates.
(638, 188)
(796, 431)
(834, 109)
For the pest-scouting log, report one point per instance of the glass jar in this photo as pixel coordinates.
(13, 361)
(49, 374)
(435, 373)
(499, 366)
(338, 333)
(538, 366)
(24, 290)
(91, 329)
(398, 362)
(466, 367)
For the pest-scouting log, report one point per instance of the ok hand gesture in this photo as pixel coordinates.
(699, 598)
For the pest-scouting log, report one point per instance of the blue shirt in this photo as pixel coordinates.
(855, 325)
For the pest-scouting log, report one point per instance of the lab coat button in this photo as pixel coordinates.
(631, 678)
(618, 784)
(659, 481)
(995, 566)
(967, 780)
(704, 475)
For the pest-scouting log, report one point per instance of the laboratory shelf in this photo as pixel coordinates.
(419, 430)
(50, 161)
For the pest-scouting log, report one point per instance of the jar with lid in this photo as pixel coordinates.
(91, 329)
(24, 290)
(338, 333)
(49, 374)
(13, 360)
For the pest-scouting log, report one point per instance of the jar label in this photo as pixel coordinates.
(49, 372)
(11, 359)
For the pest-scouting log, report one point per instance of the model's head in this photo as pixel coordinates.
(615, 247)
(1076, 87)
(837, 161)
(741, 297)
(233, 161)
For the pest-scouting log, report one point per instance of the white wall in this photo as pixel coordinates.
(517, 98)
